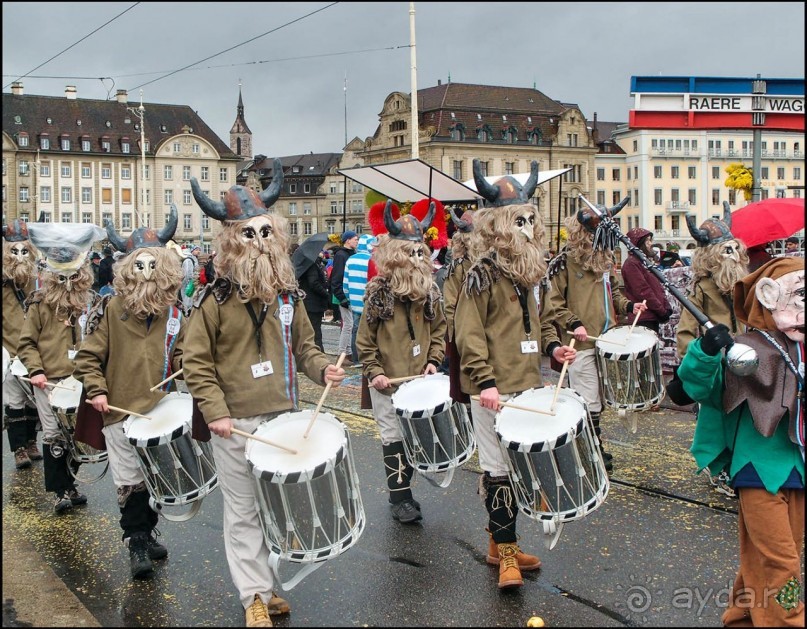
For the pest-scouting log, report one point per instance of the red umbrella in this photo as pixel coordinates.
(771, 219)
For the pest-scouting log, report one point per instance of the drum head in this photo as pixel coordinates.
(616, 342)
(423, 397)
(64, 398)
(533, 432)
(17, 368)
(317, 454)
(170, 418)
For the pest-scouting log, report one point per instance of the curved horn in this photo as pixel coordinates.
(214, 209)
(698, 234)
(429, 218)
(727, 214)
(392, 226)
(532, 183)
(615, 210)
(461, 224)
(488, 191)
(167, 232)
(116, 241)
(270, 195)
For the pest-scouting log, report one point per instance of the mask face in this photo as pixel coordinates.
(730, 250)
(257, 231)
(525, 224)
(788, 314)
(67, 280)
(20, 251)
(144, 265)
(416, 255)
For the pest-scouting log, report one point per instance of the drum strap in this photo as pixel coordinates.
(525, 311)
(289, 364)
(171, 332)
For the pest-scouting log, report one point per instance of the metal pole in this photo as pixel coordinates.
(344, 207)
(414, 98)
(345, 88)
(758, 118)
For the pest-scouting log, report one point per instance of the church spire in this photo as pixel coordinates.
(240, 135)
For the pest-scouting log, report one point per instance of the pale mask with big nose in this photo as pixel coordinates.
(257, 231)
(525, 224)
(20, 252)
(144, 265)
(730, 250)
(67, 280)
(416, 255)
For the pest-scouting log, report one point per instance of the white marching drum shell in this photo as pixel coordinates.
(17, 368)
(554, 462)
(64, 400)
(67, 396)
(629, 368)
(423, 397)
(170, 419)
(309, 503)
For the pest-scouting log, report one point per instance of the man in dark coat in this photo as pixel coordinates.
(314, 283)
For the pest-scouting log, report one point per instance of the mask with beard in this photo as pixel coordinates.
(406, 266)
(725, 262)
(148, 281)
(19, 264)
(580, 246)
(67, 293)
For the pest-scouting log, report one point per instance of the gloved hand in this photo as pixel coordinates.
(716, 338)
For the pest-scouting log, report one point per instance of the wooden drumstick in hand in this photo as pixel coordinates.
(636, 318)
(49, 384)
(560, 380)
(518, 406)
(405, 378)
(342, 356)
(262, 440)
(120, 410)
(168, 379)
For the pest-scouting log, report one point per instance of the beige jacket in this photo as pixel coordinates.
(451, 291)
(220, 347)
(14, 313)
(707, 298)
(123, 358)
(489, 330)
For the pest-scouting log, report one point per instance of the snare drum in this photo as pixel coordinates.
(17, 368)
(438, 436)
(64, 401)
(630, 368)
(554, 460)
(310, 507)
(178, 469)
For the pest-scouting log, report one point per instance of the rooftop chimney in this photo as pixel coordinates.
(70, 92)
(122, 96)
(16, 88)
(439, 82)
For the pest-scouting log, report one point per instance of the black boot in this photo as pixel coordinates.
(57, 476)
(32, 425)
(500, 503)
(138, 516)
(404, 507)
(139, 560)
(18, 437)
(607, 458)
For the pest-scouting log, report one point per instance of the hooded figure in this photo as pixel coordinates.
(134, 341)
(247, 338)
(642, 285)
(752, 429)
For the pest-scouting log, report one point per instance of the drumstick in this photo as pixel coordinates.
(171, 377)
(560, 380)
(49, 384)
(599, 338)
(636, 318)
(342, 356)
(521, 408)
(405, 378)
(122, 410)
(262, 440)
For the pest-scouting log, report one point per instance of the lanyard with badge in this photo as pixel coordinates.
(415, 345)
(171, 330)
(82, 324)
(529, 346)
(262, 367)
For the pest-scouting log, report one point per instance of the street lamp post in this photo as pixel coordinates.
(140, 112)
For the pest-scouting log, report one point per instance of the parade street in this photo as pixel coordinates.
(660, 551)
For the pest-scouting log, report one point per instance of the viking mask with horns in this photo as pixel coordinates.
(713, 230)
(143, 236)
(240, 203)
(464, 223)
(507, 190)
(407, 227)
(600, 223)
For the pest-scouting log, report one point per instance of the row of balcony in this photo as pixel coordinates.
(727, 154)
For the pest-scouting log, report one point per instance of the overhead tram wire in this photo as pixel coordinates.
(234, 47)
(72, 45)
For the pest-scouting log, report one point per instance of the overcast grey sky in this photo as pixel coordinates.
(293, 68)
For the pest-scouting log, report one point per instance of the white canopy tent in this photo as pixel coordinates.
(521, 178)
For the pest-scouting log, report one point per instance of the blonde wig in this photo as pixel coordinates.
(393, 260)
(19, 272)
(142, 297)
(580, 246)
(258, 273)
(522, 260)
(708, 261)
(67, 303)
(461, 245)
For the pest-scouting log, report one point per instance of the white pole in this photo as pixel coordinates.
(142, 116)
(414, 98)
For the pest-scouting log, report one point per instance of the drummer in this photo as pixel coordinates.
(19, 282)
(247, 338)
(135, 342)
(52, 334)
(500, 333)
(586, 296)
(401, 333)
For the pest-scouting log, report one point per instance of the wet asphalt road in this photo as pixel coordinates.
(661, 550)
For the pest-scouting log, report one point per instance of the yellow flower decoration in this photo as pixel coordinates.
(430, 234)
(406, 207)
(740, 178)
(335, 238)
(564, 234)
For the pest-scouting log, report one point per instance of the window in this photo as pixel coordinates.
(24, 169)
(177, 147)
(125, 171)
(186, 197)
(601, 197)
(66, 169)
(86, 195)
(483, 167)
(509, 168)
(458, 169)
(24, 197)
(600, 174)
(86, 217)
(306, 229)
(715, 172)
(292, 188)
(46, 217)
(126, 196)
(628, 173)
(675, 196)
(186, 173)
(186, 221)
(658, 223)
(205, 173)
(676, 224)
(44, 194)
(306, 188)
(780, 173)
(168, 196)
(674, 172)
(67, 217)
(168, 173)
(223, 176)
(657, 196)
(635, 146)
(657, 172)
(692, 196)
(148, 172)
(510, 135)
(106, 171)
(106, 216)
(457, 132)
(571, 139)
(292, 208)
(206, 223)
(44, 143)
(483, 134)
(125, 146)
(332, 187)
(334, 209)
(715, 196)
(615, 174)
(106, 195)
(65, 144)
(763, 174)
(22, 139)
(797, 173)
(195, 149)
(732, 196)
(126, 221)
(615, 197)
(44, 169)
(85, 170)
(67, 195)
(306, 209)
(292, 229)
(85, 146)
(106, 147)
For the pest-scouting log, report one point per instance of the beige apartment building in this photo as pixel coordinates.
(79, 160)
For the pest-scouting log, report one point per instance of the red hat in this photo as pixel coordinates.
(421, 209)
(375, 217)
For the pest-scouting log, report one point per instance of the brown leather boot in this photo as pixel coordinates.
(509, 574)
(525, 562)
